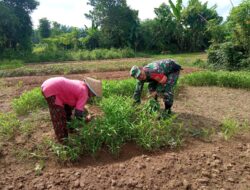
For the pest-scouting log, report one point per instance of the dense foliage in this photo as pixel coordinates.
(15, 24)
(232, 49)
(114, 25)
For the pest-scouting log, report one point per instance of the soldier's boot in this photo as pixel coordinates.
(166, 113)
(168, 108)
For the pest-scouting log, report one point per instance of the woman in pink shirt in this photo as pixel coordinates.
(63, 95)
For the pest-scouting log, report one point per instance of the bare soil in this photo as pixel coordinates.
(207, 164)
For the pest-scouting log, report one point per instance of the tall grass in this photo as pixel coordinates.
(219, 78)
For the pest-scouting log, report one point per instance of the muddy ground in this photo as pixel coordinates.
(211, 163)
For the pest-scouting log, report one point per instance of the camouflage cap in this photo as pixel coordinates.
(135, 71)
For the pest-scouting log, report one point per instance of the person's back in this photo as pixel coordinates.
(65, 95)
(165, 66)
(162, 75)
(67, 91)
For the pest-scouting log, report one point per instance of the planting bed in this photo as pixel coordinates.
(202, 162)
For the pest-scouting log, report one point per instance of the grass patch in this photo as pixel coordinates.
(220, 78)
(10, 64)
(8, 125)
(229, 127)
(29, 101)
(70, 152)
(38, 152)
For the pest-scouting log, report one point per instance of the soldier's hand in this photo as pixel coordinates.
(88, 118)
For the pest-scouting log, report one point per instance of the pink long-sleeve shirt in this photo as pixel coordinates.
(71, 92)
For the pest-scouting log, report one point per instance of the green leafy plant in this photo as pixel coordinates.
(152, 105)
(152, 133)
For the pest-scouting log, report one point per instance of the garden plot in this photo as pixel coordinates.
(198, 156)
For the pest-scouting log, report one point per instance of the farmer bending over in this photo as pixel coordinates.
(63, 95)
(161, 75)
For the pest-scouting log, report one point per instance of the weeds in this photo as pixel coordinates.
(29, 101)
(229, 128)
(69, 152)
(8, 125)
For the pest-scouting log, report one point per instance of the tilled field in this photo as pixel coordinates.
(211, 163)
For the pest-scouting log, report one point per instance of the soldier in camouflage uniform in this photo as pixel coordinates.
(161, 75)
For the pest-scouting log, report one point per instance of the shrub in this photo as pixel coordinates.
(227, 56)
(200, 63)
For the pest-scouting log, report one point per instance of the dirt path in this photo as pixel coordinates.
(209, 165)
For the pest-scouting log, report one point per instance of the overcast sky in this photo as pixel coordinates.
(71, 12)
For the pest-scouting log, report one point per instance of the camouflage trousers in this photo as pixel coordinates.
(166, 90)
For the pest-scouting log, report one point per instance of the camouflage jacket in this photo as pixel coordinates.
(155, 71)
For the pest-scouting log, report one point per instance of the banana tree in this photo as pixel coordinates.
(176, 9)
(177, 13)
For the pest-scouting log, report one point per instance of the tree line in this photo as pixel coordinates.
(175, 28)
